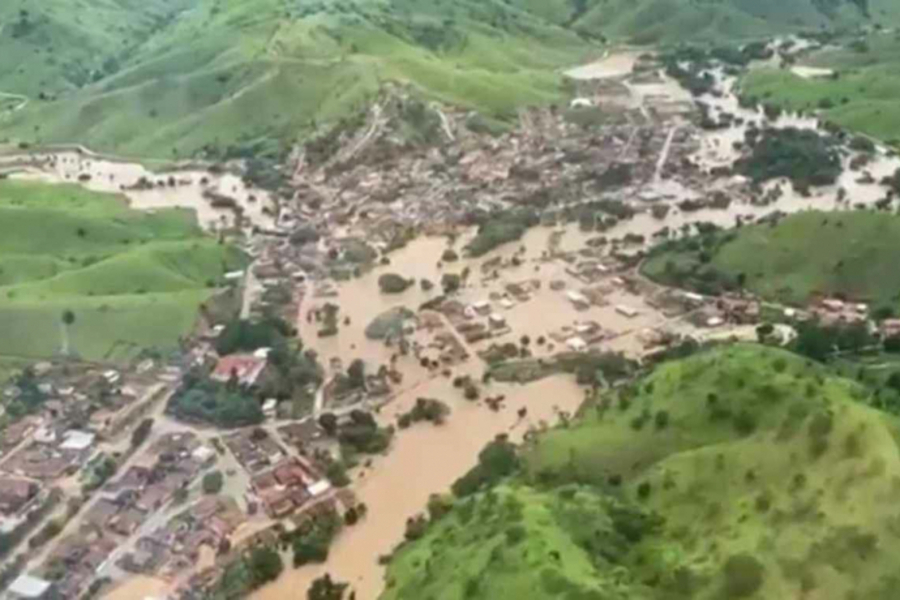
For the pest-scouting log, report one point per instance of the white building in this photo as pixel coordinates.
(578, 299)
(269, 407)
(26, 586)
(627, 311)
(576, 344)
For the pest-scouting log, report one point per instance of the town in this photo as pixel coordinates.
(387, 281)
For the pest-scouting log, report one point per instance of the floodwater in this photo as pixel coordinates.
(425, 459)
(720, 148)
(121, 177)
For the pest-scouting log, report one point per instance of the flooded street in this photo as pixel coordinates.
(425, 459)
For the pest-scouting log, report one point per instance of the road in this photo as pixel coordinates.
(74, 524)
(664, 155)
(252, 288)
(445, 122)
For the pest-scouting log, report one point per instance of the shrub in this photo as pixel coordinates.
(644, 489)
(213, 482)
(743, 576)
(264, 565)
(392, 283)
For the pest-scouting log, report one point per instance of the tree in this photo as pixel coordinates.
(662, 419)
(356, 373)
(392, 283)
(450, 282)
(324, 588)
(213, 482)
(743, 576)
(329, 423)
(68, 319)
(140, 433)
(265, 565)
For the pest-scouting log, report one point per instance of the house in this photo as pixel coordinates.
(77, 440)
(576, 344)
(890, 328)
(127, 522)
(497, 321)
(578, 300)
(101, 513)
(15, 493)
(269, 408)
(33, 588)
(482, 307)
(153, 497)
(246, 367)
(627, 311)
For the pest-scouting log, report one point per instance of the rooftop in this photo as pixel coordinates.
(26, 586)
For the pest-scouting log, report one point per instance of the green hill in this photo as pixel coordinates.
(766, 478)
(852, 254)
(168, 78)
(229, 72)
(133, 279)
(676, 21)
(860, 97)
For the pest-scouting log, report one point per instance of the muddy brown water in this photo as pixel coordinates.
(110, 176)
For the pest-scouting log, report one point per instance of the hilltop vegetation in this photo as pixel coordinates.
(859, 96)
(739, 472)
(849, 254)
(224, 78)
(675, 21)
(228, 74)
(130, 280)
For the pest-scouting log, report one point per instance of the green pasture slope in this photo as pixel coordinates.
(228, 72)
(133, 279)
(767, 478)
(167, 78)
(861, 97)
(853, 254)
(678, 21)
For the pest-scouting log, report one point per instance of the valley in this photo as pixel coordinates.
(392, 300)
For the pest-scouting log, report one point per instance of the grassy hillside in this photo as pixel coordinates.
(53, 46)
(171, 77)
(133, 279)
(231, 71)
(677, 21)
(766, 478)
(852, 254)
(861, 97)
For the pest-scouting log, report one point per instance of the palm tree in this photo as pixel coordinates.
(68, 319)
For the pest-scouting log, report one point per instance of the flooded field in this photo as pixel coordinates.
(147, 190)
